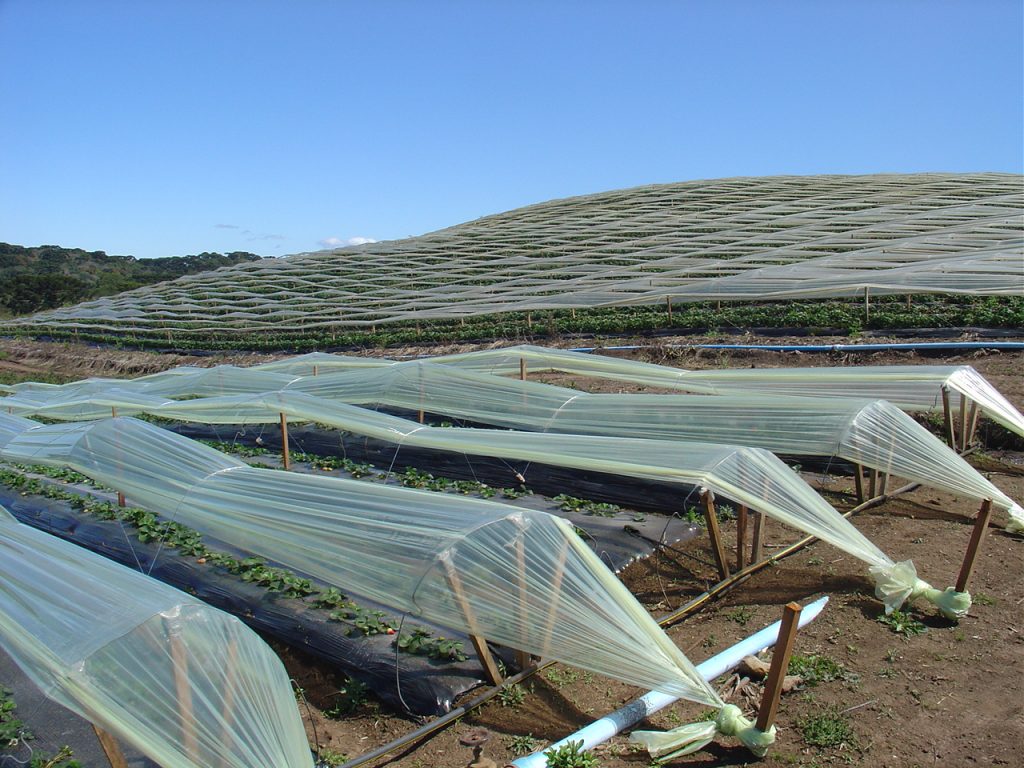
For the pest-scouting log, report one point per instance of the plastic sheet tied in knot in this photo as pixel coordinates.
(898, 583)
(692, 737)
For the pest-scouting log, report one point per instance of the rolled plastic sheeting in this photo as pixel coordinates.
(518, 577)
(184, 683)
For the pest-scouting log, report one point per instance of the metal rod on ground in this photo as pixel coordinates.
(973, 547)
(285, 457)
(479, 643)
(777, 671)
(947, 415)
(741, 537)
(110, 748)
(711, 516)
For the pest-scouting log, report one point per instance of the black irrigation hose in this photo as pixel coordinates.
(734, 580)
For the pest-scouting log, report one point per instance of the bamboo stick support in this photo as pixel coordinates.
(285, 455)
(228, 710)
(780, 663)
(522, 657)
(947, 415)
(741, 537)
(479, 643)
(110, 748)
(711, 516)
(858, 481)
(972, 424)
(522, 369)
(974, 546)
(755, 545)
(183, 693)
(963, 422)
(556, 589)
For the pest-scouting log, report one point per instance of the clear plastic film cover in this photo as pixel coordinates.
(518, 577)
(186, 684)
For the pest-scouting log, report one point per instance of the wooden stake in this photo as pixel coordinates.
(522, 369)
(110, 748)
(556, 588)
(947, 414)
(741, 537)
(668, 301)
(183, 693)
(755, 545)
(858, 480)
(974, 546)
(120, 496)
(873, 483)
(522, 657)
(711, 516)
(972, 424)
(867, 304)
(479, 643)
(780, 663)
(963, 423)
(284, 442)
(315, 369)
(529, 320)
(228, 710)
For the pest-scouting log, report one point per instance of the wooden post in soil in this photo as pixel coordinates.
(285, 456)
(972, 424)
(110, 748)
(757, 538)
(316, 369)
(479, 643)
(974, 546)
(963, 422)
(947, 414)
(121, 502)
(780, 663)
(522, 657)
(183, 692)
(522, 369)
(858, 481)
(741, 537)
(711, 517)
(228, 710)
(556, 588)
(867, 305)
(668, 302)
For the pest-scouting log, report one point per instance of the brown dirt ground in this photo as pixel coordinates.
(949, 697)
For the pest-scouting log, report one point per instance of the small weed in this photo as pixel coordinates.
(349, 699)
(814, 669)
(331, 757)
(741, 615)
(902, 623)
(980, 598)
(571, 755)
(522, 745)
(512, 695)
(828, 729)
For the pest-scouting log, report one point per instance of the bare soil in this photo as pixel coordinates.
(951, 696)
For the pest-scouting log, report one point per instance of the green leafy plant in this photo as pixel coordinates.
(828, 729)
(571, 755)
(814, 669)
(331, 757)
(512, 695)
(902, 623)
(348, 699)
(522, 745)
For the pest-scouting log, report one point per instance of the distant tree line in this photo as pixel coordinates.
(47, 276)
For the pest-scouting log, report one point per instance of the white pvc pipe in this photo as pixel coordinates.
(601, 730)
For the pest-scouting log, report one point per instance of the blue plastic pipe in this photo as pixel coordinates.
(601, 730)
(935, 346)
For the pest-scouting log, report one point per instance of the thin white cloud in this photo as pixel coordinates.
(337, 242)
(226, 226)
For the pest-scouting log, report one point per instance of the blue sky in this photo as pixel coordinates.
(168, 127)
